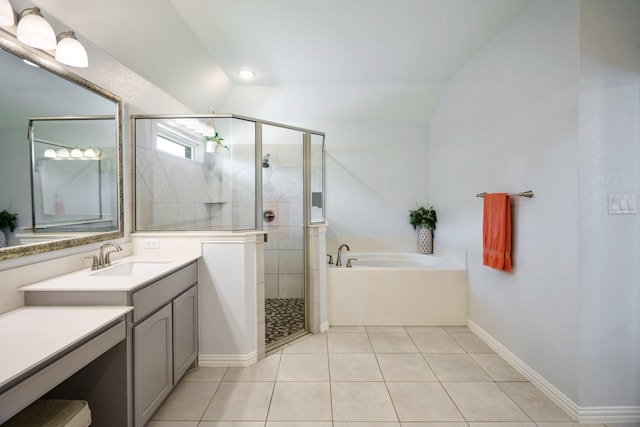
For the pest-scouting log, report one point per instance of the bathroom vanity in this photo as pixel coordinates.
(48, 348)
(162, 328)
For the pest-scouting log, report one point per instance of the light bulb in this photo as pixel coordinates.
(76, 153)
(50, 153)
(247, 74)
(90, 153)
(70, 51)
(63, 153)
(7, 18)
(35, 31)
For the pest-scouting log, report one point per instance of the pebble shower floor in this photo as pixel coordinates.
(284, 316)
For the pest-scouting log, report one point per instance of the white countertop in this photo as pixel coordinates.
(32, 335)
(87, 280)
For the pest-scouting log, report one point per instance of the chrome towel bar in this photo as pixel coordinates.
(528, 194)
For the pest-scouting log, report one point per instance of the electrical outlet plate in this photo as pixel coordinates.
(150, 243)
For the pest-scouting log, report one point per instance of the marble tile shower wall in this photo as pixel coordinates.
(181, 194)
(283, 193)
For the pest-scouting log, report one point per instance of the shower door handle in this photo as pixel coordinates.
(269, 215)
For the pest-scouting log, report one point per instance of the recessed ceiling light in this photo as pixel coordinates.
(247, 74)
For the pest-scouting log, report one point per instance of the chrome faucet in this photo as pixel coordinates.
(339, 257)
(103, 260)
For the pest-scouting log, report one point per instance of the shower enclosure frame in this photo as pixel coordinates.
(258, 224)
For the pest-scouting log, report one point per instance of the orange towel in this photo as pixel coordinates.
(496, 232)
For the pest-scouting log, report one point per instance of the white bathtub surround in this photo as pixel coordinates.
(400, 260)
(427, 291)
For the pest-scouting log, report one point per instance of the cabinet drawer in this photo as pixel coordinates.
(154, 296)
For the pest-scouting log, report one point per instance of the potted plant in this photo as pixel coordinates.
(214, 142)
(7, 220)
(426, 219)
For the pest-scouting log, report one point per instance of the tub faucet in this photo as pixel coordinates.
(339, 257)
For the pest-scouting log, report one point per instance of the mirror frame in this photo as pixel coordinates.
(50, 65)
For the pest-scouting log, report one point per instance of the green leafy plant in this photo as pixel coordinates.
(217, 139)
(423, 217)
(8, 219)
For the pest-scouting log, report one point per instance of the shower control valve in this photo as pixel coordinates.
(269, 215)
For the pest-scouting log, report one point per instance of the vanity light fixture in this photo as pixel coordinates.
(247, 74)
(70, 51)
(35, 31)
(7, 18)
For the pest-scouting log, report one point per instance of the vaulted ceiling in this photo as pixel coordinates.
(193, 49)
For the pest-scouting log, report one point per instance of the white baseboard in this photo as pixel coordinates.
(222, 360)
(599, 414)
(610, 414)
(324, 326)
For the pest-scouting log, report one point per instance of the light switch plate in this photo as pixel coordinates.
(622, 204)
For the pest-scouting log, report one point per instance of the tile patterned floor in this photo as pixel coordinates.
(366, 377)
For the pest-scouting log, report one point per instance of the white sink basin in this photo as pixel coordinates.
(132, 268)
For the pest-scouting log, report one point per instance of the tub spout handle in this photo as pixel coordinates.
(349, 262)
(330, 259)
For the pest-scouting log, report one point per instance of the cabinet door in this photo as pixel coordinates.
(153, 363)
(185, 332)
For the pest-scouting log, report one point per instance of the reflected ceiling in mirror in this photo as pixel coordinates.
(45, 92)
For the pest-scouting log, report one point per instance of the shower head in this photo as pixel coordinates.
(265, 160)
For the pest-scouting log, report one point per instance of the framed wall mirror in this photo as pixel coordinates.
(60, 155)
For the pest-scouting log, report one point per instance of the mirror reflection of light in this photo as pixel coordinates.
(26, 61)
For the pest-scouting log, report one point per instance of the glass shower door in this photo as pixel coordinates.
(283, 220)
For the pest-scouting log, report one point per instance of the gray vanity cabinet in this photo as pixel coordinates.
(185, 332)
(162, 328)
(165, 338)
(153, 363)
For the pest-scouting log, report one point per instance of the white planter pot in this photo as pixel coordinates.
(3, 239)
(425, 241)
